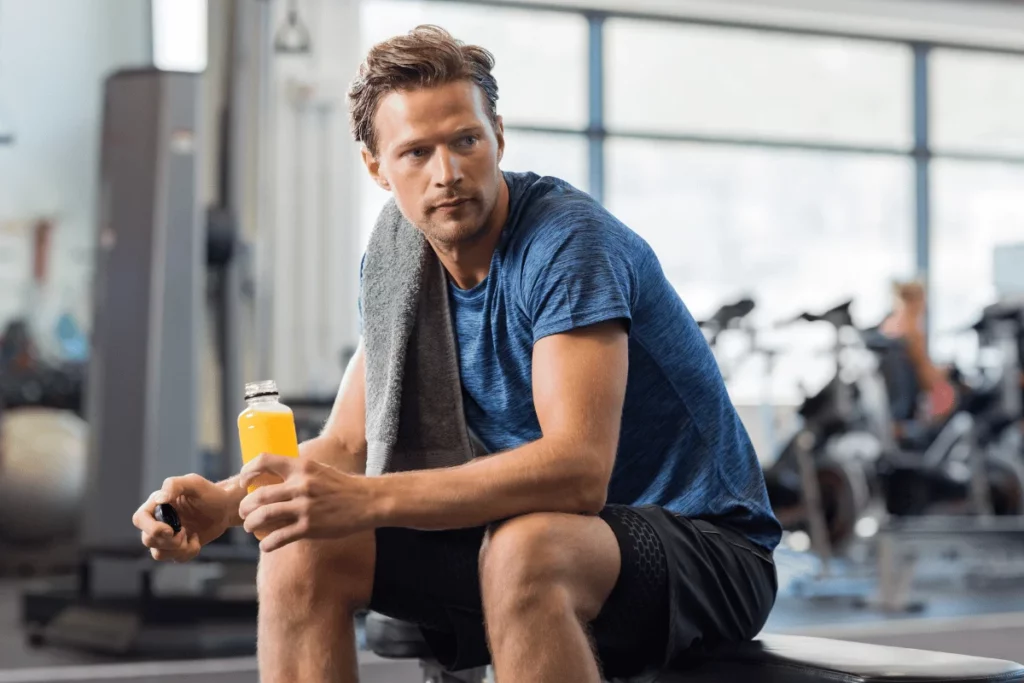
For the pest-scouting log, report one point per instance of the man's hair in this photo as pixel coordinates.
(425, 57)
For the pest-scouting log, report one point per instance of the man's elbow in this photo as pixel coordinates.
(592, 490)
(591, 502)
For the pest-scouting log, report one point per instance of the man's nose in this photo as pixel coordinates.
(447, 171)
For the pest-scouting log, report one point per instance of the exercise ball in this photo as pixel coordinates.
(42, 474)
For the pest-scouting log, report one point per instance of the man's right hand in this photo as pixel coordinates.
(205, 510)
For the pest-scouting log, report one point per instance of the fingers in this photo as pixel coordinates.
(160, 538)
(175, 487)
(144, 520)
(188, 546)
(265, 495)
(266, 463)
(164, 546)
(282, 537)
(268, 518)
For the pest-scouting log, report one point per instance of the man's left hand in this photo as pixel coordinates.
(313, 501)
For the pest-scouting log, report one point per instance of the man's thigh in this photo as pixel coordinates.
(433, 579)
(682, 584)
(720, 587)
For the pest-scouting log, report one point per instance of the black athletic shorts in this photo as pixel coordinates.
(684, 586)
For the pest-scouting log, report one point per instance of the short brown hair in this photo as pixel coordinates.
(424, 57)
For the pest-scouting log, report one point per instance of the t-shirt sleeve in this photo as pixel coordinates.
(577, 272)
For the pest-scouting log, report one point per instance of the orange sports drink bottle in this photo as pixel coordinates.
(266, 426)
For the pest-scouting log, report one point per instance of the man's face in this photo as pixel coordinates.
(438, 153)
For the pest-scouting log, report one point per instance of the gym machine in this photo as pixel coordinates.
(156, 250)
(823, 481)
(996, 531)
(844, 468)
(729, 317)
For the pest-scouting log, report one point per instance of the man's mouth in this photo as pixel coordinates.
(452, 203)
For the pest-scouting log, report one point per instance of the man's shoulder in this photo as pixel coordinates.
(540, 195)
(549, 211)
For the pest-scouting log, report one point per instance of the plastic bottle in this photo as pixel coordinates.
(266, 426)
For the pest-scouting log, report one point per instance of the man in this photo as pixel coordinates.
(621, 520)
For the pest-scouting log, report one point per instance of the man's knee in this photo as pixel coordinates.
(524, 564)
(303, 574)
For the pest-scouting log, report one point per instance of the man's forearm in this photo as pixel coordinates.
(539, 477)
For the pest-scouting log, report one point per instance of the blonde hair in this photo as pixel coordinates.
(908, 290)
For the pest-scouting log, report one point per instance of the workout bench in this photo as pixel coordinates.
(769, 659)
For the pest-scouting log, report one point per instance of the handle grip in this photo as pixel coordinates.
(166, 513)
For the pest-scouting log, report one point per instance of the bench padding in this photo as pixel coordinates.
(771, 659)
(800, 659)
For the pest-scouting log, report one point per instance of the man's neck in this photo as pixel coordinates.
(468, 264)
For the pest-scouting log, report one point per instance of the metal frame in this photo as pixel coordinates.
(921, 152)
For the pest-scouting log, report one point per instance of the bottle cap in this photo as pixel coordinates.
(264, 388)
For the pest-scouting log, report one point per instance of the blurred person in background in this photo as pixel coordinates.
(934, 397)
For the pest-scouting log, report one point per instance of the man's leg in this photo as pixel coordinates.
(543, 577)
(308, 593)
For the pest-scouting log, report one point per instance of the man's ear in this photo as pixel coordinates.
(373, 166)
(499, 134)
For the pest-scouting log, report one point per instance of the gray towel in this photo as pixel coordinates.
(414, 415)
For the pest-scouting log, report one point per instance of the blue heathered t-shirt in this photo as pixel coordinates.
(563, 261)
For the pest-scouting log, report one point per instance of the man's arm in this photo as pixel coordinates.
(342, 442)
(579, 386)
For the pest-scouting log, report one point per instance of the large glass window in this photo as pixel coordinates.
(746, 83)
(560, 155)
(977, 102)
(793, 230)
(799, 229)
(540, 57)
(977, 206)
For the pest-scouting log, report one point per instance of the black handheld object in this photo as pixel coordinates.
(165, 513)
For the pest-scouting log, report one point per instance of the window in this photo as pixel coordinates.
(977, 206)
(179, 35)
(559, 155)
(540, 57)
(794, 230)
(744, 83)
(977, 102)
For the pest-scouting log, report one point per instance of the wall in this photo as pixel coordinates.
(54, 55)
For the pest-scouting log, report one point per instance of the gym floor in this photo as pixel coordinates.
(989, 624)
